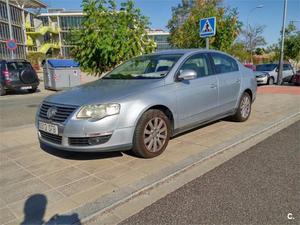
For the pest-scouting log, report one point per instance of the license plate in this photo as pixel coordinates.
(26, 88)
(49, 128)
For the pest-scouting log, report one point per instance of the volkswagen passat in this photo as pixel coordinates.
(145, 101)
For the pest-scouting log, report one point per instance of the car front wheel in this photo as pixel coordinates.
(152, 134)
(244, 109)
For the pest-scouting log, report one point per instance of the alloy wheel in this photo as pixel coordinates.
(245, 107)
(155, 134)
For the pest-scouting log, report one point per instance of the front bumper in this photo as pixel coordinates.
(262, 80)
(81, 130)
(120, 140)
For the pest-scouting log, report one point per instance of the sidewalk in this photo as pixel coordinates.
(80, 185)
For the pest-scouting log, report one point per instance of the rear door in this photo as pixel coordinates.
(229, 81)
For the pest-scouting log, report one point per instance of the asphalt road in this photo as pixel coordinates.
(259, 186)
(18, 110)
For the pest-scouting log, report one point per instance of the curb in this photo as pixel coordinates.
(105, 203)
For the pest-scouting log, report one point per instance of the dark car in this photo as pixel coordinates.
(296, 78)
(17, 74)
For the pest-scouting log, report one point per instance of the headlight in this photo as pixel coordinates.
(98, 111)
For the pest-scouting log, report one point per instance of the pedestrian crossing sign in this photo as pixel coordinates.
(208, 27)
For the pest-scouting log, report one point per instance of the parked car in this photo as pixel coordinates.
(17, 74)
(271, 73)
(296, 78)
(145, 101)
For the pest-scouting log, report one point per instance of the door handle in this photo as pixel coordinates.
(238, 81)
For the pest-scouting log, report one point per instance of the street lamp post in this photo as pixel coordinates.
(279, 77)
(248, 30)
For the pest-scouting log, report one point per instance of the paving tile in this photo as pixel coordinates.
(37, 158)
(6, 215)
(21, 151)
(79, 186)
(64, 176)
(22, 190)
(49, 166)
(8, 178)
(9, 167)
(94, 166)
(93, 193)
(114, 172)
(130, 177)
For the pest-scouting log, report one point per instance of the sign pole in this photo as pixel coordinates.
(207, 42)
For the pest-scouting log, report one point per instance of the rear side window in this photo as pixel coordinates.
(224, 63)
(14, 66)
(287, 67)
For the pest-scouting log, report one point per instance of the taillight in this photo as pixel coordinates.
(6, 77)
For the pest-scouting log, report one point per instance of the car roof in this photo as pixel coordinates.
(185, 51)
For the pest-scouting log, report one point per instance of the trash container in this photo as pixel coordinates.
(60, 74)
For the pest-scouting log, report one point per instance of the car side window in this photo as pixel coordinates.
(12, 67)
(198, 63)
(286, 67)
(224, 63)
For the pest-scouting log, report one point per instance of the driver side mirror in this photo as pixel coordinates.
(187, 75)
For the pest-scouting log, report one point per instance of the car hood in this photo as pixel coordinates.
(103, 91)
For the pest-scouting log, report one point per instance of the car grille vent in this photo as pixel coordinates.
(62, 112)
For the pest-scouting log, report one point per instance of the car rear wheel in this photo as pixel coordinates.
(244, 109)
(2, 90)
(271, 81)
(152, 134)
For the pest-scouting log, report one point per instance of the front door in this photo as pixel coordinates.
(197, 100)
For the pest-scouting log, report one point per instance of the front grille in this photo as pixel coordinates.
(84, 141)
(62, 113)
(51, 137)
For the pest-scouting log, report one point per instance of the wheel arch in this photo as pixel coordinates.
(166, 110)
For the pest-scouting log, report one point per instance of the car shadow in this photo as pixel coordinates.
(79, 155)
(35, 209)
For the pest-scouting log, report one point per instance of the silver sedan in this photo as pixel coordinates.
(145, 101)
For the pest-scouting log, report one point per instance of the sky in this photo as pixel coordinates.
(160, 11)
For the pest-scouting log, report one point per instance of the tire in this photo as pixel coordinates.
(152, 134)
(2, 90)
(244, 109)
(32, 90)
(271, 81)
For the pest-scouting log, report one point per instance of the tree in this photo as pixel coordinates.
(239, 51)
(109, 36)
(184, 24)
(252, 38)
(292, 43)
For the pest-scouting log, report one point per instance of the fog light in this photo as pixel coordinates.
(94, 140)
(98, 140)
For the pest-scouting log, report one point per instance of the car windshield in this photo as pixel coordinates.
(265, 67)
(145, 67)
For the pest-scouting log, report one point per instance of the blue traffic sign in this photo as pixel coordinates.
(11, 44)
(208, 27)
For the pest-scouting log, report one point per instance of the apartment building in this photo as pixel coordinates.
(47, 33)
